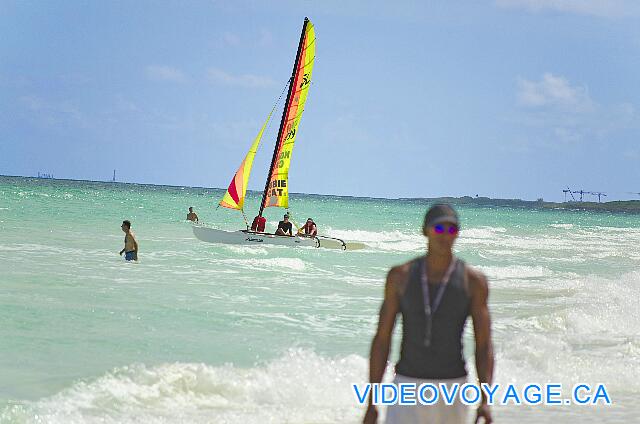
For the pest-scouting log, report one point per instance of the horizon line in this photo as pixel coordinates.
(298, 193)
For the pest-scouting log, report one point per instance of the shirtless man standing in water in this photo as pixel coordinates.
(192, 216)
(130, 249)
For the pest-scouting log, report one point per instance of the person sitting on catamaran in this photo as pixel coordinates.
(309, 229)
(284, 227)
(258, 224)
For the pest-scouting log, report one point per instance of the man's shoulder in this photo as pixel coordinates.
(400, 272)
(475, 274)
(478, 282)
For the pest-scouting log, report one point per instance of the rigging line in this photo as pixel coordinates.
(277, 102)
(292, 221)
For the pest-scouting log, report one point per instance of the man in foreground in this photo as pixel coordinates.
(435, 294)
(130, 249)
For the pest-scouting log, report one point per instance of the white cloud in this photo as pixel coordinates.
(554, 91)
(124, 104)
(634, 155)
(219, 76)
(568, 135)
(75, 79)
(52, 112)
(266, 38)
(14, 81)
(599, 8)
(564, 115)
(231, 39)
(165, 73)
(33, 103)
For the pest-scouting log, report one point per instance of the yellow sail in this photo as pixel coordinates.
(234, 197)
(277, 188)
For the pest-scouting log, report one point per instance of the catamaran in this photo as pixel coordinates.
(276, 190)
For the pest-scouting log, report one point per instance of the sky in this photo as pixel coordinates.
(497, 98)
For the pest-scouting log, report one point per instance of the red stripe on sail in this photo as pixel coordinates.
(233, 192)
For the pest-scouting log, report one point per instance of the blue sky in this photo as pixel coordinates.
(501, 98)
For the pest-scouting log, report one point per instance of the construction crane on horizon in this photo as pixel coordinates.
(568, 190)
(583, 192)
(599, 194)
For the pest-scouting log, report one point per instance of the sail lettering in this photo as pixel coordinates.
(285, 154)
(291, 134)
(305, 80)
(277, 187)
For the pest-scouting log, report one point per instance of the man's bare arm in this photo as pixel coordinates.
(381, 344)
(124, 249)
(479, 289)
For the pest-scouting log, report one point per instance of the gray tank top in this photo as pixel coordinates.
(443, 357)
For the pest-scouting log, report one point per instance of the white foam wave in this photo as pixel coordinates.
(245, 250)
(590, 334)
(373, 236)
(565, 226)
(382, 240)
(295, 264)
(515, 272)
(481, 232)
(607, 230)
(300, 387)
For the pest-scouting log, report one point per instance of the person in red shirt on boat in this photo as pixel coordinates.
(258, 224)
(309, 229)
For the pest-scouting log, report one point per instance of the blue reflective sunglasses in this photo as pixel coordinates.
(441, 228)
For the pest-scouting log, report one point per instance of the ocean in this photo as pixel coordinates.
(205, 333)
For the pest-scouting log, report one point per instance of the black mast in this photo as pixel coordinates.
(284, 117)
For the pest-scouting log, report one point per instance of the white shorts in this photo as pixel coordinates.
(438, 413)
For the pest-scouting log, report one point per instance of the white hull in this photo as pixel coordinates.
(212, 235)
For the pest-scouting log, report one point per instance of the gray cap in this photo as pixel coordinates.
(438, 214)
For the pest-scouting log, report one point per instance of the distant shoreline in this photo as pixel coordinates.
(625, 206)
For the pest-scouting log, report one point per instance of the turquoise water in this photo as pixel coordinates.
(198, 332)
